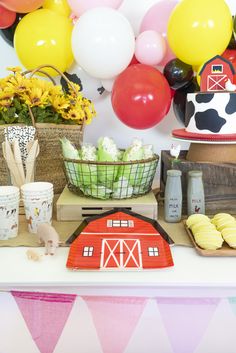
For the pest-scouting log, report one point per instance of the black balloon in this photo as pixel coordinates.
(8, 33)
(177, 73)
(180, 99)
(73, 78)
(232, 42)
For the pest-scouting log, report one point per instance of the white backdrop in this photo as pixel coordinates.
(106, 123)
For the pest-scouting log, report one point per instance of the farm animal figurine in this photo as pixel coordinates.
(33, 255)
(47, 235)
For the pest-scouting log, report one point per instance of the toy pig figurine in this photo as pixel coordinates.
(47, 235)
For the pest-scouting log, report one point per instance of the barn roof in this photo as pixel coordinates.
(219, 57)
(88, 220)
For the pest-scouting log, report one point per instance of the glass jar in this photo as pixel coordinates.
(173, 196)
(195, 193)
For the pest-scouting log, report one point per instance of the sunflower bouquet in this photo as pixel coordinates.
(49, 103)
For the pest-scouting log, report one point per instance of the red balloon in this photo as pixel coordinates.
(141, 96)
(134, 61)
(172, 92)
(7, 18)
(230, 54)
(21, 6)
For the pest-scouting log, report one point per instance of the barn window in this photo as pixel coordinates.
(217, 68)
(153, 252)
(120, 223)
(88, 251)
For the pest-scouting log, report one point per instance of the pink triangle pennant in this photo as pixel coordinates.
(232, 302)
(45, 315)
(115, 319)
(186, 320)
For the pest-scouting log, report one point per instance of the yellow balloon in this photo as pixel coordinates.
(195, 68)
(44, 37)
(199, 30)
(59, 6)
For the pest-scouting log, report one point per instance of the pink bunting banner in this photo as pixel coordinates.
(186, 320)
(115, 319)
(232, 302)
(45, 315)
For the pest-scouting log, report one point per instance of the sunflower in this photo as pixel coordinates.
(89, 114)
(75, 91)
(14, 69)
(55, 90)
(43, 84)
(6, 94)
(19, 83)
(59, 103)
(5, 103)
(36, 97)
(74, 114)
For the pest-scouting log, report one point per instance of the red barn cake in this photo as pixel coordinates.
(211, 113)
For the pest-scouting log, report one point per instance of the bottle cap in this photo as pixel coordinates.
(174, 172)
(195, 173)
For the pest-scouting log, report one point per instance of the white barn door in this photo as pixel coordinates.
(121, 253)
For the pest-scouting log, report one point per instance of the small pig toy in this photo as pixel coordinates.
(47, 235)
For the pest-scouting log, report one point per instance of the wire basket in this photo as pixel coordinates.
(110, 180)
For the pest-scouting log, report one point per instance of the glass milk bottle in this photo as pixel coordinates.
(173, 196)
(195, 193)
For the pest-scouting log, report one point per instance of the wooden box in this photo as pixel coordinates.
(219, 181)
(71, 207)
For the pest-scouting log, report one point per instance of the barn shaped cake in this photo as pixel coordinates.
(119, 239)
(211, 113)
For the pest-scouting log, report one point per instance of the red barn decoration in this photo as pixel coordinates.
(215, 73)
(119, 239)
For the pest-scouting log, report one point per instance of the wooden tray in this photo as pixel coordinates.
(226, 250)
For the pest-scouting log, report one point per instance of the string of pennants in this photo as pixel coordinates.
(115, 318)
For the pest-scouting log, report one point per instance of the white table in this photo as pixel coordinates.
(190, 272)
(191, 277)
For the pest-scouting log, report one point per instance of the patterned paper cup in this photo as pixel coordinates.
(36, 187)
(7, 190)
(9, 219)
(36, 198)
(38, 212)
(9, 211)
(8, 193)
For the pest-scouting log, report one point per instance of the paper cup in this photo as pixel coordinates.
(9, 220)
(36, 187)
(7, 190)
(38, 212)
(38, 197)
(9, 193)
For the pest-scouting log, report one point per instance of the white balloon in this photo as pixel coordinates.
(91, 87)
(232, 6)
(134, 11)
(103, 42)
(108, 84)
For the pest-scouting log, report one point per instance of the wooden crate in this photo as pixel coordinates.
(219, 181)
(71, 207)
